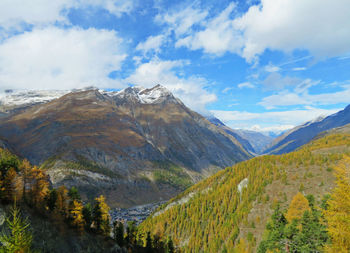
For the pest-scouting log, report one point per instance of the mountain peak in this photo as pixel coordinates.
(155, 95)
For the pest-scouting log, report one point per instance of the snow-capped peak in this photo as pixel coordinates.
(154, 95)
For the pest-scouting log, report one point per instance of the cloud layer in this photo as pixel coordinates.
(321, 27)
(53, 58)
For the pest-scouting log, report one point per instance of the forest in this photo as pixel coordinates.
(27, 187)
(211, 215)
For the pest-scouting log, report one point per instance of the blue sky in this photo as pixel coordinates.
(265, 65)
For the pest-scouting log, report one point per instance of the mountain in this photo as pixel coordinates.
(258, 140)
(229, 211)
(302, 134)
(12, 101)
(252, 141)
(135, 146)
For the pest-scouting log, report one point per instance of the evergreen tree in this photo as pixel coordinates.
(118, 233)
(276, 227)
(149, 247)
(131, 231)
(170, 246)
(52, 199)
(19, 238)
(73, 193)
(87, 215)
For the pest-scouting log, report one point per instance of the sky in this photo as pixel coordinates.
(263, 65)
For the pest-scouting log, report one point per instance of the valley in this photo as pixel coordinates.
(136, 148)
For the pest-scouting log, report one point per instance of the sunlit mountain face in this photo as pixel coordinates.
(174, 126)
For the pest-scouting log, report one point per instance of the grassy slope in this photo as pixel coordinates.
(211, 215)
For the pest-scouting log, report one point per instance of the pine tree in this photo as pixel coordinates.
(74, 194)
(170, 246)
(276, 232)
(118, 232)
(19, 239)
(149, 247)
(87, 215)
(52, 199)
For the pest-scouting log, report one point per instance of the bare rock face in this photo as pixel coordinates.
(135, 146)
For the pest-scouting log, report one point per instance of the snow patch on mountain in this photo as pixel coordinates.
(15, 98)
(155, 95)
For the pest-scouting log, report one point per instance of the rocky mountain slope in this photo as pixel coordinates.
(228, 212)
(135, 146)
(300, 135)
(252, 141)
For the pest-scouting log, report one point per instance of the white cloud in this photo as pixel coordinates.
(283, 99)
(181, 20)
(218, 37)
(152, 43)
(52, 58)
(13, 13)
(274, 121)
(299, 68)
(227, 89)
(116, 7)
(246, 85)
(190, 90)
(301, 97)
(272, 68)
(322, 27)
(276, 81)
(277, 129)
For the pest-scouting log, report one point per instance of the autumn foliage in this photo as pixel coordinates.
(338, 211)
(297, 207)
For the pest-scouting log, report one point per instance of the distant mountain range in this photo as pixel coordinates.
(252, 141)
(302, 134)
(135, 146)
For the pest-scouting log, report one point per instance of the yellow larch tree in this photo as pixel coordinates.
(76, 215)
(297, 207)
(338, 211)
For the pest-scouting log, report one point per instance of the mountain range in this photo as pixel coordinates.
(135, 146)
(304, 133)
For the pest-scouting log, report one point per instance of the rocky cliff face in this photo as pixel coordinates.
(135, 146)
(302, 134)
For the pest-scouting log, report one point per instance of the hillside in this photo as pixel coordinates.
(135, 146)
(234, 204)
(302, 134)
